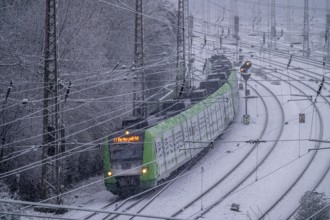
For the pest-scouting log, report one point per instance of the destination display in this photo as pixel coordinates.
(126, 139)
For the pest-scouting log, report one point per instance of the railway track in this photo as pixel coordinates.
(265, 213)
(146, 197)
(304, 72)
(254, 46)
(153, 197)
(103, 208)
(327, 170)
(216, 184)
(237, 185)
(282, 47)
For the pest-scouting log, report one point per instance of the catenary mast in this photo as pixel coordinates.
(139, 107)
(272, 26)
(306, 49)
(51, 166)
(181, 49)
(327, 42)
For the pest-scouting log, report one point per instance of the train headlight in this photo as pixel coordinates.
(109, 173)
(144, 170)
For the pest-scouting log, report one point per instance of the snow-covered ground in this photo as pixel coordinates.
(273, 178)
(275, 175)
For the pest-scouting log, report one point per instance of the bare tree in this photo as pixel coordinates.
(310, 204)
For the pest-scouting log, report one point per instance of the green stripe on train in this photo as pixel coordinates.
(149, 155)
(232, 81)
(106, 164)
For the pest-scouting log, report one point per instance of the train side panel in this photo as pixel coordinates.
(176, 140)
(149, 179)
(110, 181)
(191, 130)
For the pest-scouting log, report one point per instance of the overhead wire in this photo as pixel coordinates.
(0, 177)
(260, 178)
(60, 96)
(79, 91)
(83, 186)
(108, 113)
(101, 71)
(179, 177)
(58, 157)
(158, 63)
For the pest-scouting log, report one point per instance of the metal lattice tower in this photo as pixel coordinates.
(208, 16)
(288, 15)
(203, 16)
(272, 26)
(181, 48)
(139, 84)
(188, 36)
(327, 43)
(50, 180)
(259, 15)
(306, 49)
(233, 13)
(217, 11)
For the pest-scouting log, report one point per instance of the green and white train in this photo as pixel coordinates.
(140, 158)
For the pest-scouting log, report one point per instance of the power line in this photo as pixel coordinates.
(84, 209)
(62, 96)
(166, 59)
(21, 169)
(108, 113)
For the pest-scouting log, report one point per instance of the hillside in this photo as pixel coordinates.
(93, 37)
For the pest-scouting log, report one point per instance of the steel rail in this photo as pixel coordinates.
(313, 157)
(218, 201)
(82, 209)
(229, 172)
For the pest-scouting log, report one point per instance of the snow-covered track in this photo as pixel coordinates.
(151, 196)
(236, 186)
(282, 54)
(304, 72)
(134, 203)
(103, 208)
(265, 213)
(216, 185)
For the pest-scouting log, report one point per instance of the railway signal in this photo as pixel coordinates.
(9, 89)
(287, 67)
(319, 90)
(246, 75)
(245, 67)
(301, 118)
(301, 121)
(67, 91)
(264, 39)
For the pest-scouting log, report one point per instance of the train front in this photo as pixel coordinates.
(123, 156)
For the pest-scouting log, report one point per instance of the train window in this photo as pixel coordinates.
(126, 151)
(159, 149)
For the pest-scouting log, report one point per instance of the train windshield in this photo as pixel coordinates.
(127, 151)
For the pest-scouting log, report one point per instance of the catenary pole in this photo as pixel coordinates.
(51, 107)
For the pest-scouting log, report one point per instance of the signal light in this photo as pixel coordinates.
(109, 173)
(144, 170)
(246, 66)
